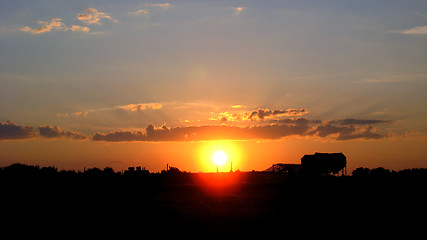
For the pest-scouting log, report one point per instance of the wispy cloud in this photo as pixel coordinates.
(142, 12)
(160, 5)
(89, 17)
(141, 106)
(77, 28)
(257, 115)
(145, 9)
(238, 10)
(55, 23)
(137, 107)
(93, 16)
(419, 30)
(394, 78)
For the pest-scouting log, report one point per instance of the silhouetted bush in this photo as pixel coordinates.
(361, 172)
(380, 171)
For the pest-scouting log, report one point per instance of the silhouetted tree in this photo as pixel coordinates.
(21, 170)
(380, 171)
(174, 170)
(93, 172)
(48, 171)
(108, 171)
(68, 173)
(361, 171)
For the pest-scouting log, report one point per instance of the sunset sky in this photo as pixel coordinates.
(150, 83)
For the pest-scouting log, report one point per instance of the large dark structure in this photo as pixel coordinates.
(324, 163)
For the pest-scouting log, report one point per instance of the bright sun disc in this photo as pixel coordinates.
(219, 157)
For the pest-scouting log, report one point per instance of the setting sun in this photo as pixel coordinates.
(219, 157)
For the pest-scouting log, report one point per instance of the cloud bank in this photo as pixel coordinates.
(347, 129)
(55, 132)
(258, 115)
(10, 130)
(339, 130)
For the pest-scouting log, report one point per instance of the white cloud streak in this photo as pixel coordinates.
(420, 30)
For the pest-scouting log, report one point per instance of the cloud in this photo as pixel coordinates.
(206, 133)
(147, 6)
(77, 28)
(237, 106)
(360, 130)
(130, 107)
(419, 30)
(9, 130)
(339, 130)
(54, 24)
(238, 10)
(90, 16)
(351, 121)
(257, 115)
(143, 12)
(93, 16)
(394, 78)
(55, 132)
(141, 106)
(161, 5)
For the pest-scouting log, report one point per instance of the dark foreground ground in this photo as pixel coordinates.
(218, 206)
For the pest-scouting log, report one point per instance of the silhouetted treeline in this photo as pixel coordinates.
(382, 172)
(23, 170)
(210, 205)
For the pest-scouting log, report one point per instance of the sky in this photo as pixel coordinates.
(150, 83)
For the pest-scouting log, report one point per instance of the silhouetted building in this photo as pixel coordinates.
(324, 163)
(138, 171)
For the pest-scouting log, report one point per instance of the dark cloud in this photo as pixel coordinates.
(205, 133)
(9, 130)
(259, 114)
(55, 132)
(351, 132)
(339, 130)
(351, 121)
(263, 113)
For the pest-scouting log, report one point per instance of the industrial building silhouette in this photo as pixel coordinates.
(314, 164)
